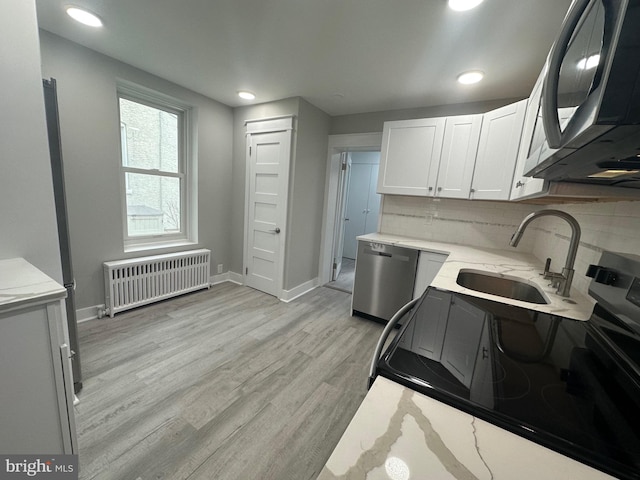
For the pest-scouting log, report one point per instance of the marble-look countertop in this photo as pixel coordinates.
(399, 434)
(21, 283)
(509, 263)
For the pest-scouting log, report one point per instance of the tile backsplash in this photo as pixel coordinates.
(477, 223)
(605, 226)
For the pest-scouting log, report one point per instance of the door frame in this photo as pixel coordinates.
(337, 145)
(283, 123)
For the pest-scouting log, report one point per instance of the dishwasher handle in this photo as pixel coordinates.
(383, 337)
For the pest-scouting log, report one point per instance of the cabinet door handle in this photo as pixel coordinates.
(439, 189)
(431, 189)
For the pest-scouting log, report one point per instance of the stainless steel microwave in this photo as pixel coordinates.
(588, 110)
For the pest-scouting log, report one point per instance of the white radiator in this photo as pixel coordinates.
(138, 281)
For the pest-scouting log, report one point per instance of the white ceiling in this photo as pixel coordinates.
(344, 56)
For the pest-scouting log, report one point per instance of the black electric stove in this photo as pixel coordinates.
(572, 386)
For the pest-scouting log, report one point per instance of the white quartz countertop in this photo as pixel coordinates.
(510, 263)
(399, 434)
(21, 283)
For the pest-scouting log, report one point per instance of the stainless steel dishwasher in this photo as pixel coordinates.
(384, 279)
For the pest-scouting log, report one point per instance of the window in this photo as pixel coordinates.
(155, 180)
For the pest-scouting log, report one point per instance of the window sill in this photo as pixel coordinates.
(143, 247)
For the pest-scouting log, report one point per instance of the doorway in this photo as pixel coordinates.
(357, 212)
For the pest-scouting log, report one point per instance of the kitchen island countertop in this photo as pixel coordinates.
(510, 263)
(399, 434)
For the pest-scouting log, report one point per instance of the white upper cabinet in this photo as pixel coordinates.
(458, 157)
(410, 156)
(497, 152)
(526, 187)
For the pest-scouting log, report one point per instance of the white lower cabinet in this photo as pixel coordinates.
(36, 397)
(429, 264)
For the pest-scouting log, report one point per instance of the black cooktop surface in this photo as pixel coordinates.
(569, 385)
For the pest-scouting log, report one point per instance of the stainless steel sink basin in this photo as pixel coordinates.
(500, 285)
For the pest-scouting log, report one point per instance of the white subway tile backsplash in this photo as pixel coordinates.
(613, 226)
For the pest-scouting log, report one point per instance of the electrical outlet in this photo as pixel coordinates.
(428, 219)
(220, 268)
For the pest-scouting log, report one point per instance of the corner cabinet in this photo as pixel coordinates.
(35, 366)
(410, 156)
(498, 152)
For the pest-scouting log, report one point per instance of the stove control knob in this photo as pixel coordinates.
(607, 277)
(593, 270)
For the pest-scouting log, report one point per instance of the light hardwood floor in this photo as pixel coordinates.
(222, 384)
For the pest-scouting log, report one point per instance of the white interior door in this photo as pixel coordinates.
(343, 183)
(268, 176)
(357, 201)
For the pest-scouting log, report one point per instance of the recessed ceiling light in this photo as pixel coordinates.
(246, 94)
(462, 5)
(467, 78)
(589, 62)
(85, 17)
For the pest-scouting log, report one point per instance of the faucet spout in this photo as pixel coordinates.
(566, 277)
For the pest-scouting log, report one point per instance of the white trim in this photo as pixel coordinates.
(287, 174)
(290, 295)
(269, 125)
(89, 313)
(231, 277)
(337, 144)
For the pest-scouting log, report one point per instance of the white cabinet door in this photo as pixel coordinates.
(429, 264)
(410, 156)
(458, 157)
(429, 332)
(526, 187)
(498, 152)
(462, 340)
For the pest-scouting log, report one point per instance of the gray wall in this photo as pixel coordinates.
(91, 149)
(27, 211)
(373, 121)
(306, 201)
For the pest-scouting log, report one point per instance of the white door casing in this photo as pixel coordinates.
(268, 157)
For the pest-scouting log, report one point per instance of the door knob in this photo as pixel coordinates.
(276, 230)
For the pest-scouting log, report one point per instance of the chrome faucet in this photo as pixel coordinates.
(561, 281)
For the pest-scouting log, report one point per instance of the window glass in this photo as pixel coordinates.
(153, 170)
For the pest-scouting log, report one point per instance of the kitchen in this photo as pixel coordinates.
(87, 100)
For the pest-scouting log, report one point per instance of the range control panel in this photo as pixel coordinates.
(616, 285)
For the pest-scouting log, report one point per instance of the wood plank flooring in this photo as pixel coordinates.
(227, 383)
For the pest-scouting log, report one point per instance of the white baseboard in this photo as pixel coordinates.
(289, 295)
(232, 277)
(89, 313)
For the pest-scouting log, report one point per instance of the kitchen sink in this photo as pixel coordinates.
(500, 285)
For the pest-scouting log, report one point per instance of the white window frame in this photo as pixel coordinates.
(185, 174)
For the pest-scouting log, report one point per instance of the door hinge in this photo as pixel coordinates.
(335, 265)
(249, 150)
(246, 271)
(344, 165)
